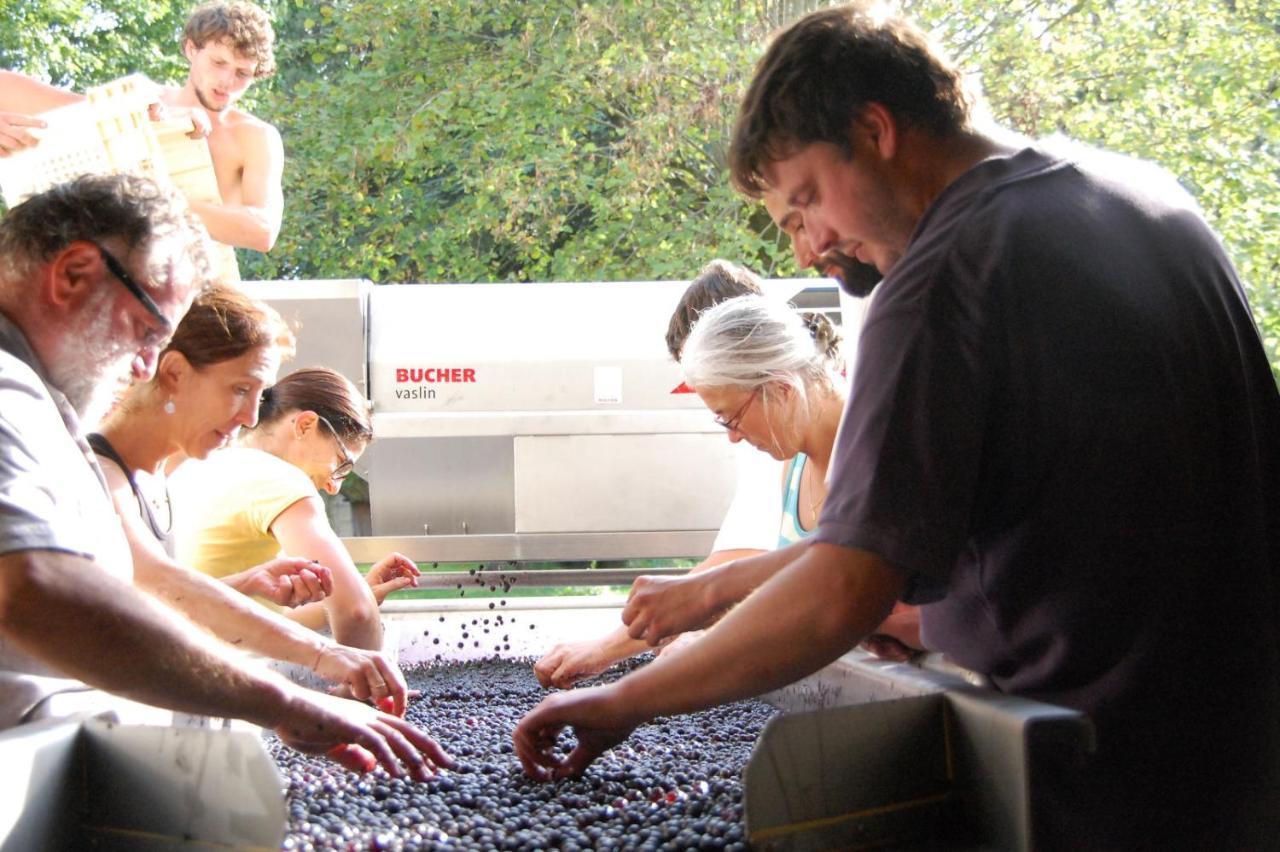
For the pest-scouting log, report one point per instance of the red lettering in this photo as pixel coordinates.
(435, 374)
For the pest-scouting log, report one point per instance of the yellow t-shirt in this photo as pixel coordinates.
(223, 508)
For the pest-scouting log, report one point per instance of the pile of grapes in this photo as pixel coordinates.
(675, 784)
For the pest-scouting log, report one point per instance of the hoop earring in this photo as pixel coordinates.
(169, 407)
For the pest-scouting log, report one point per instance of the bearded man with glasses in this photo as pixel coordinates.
(94, 275)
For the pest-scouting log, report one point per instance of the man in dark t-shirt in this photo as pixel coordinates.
(1063, 439)
(1072, 431)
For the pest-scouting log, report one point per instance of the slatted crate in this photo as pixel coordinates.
(111, 132)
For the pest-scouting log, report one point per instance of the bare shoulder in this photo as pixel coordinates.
(303, 513)
(251, 130)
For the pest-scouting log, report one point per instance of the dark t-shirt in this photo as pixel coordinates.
(1063, 429)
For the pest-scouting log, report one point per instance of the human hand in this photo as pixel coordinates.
(391, 573)
(596, 722)
(14, 135)
(569, 662)
(286, 581)
(898, 636)
(358, 737)
(201, 127)
(664, 606)
(364, 675)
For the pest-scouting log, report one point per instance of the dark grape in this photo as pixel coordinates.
(675, 784)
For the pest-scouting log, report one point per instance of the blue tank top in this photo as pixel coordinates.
(790, 532)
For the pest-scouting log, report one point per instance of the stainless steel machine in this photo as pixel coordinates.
(84, 783)
(520, 418)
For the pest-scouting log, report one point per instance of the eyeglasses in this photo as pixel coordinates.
(118, 270)
(347, 464)
(732, 423)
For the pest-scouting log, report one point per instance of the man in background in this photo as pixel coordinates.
(228, 46)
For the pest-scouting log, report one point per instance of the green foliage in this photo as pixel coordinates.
(1193, 86)
(79, 43)
(585, 139)
(512, 141)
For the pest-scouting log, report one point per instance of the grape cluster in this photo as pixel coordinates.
(675, 784)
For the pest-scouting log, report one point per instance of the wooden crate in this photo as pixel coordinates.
(111, 133)
(190, 169)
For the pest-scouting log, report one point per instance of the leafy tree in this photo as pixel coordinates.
(585, 139)
(79, 43)
(514, 141)
(1193, 86)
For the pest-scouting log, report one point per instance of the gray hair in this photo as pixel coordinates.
(750, 341)
(134, 209)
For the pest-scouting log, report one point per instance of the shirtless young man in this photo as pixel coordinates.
(229, 45)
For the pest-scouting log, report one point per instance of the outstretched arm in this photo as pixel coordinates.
(661, 607)
(50, 601)
(351, 611)
(237, 620)
(809, 614)
(569, 662)
(21, 97)
(816, 609)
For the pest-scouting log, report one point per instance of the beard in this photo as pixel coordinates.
(856, 278)
(92, 369)
(204, 102)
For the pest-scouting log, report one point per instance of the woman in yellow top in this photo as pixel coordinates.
(207, 385)
(261, 498)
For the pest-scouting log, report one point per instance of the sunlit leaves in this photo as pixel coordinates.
(82, 42)
(585, 139)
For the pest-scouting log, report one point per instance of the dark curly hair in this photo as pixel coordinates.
(244, 26)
